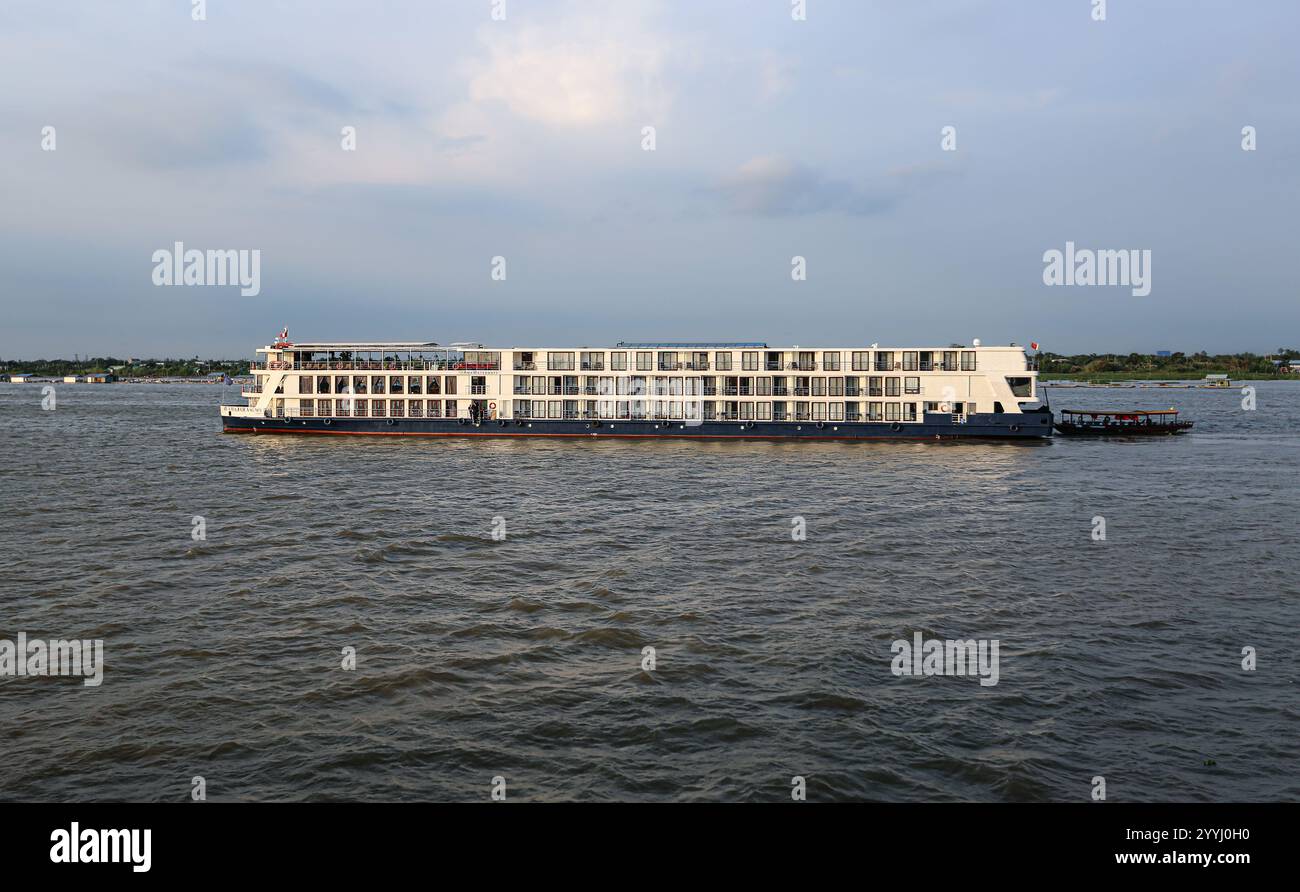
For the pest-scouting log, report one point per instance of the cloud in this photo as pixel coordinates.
(776, 187)
(578, 71)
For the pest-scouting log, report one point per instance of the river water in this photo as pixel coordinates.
(521, 657)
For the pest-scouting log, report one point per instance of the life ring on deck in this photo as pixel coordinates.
(460, 420)
(821, 425)
(390, 421)
(502, 423)
(327, 421)
(1014, 428)
(895, 427)
(749, 425)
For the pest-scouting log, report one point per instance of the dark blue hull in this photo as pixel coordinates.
(1026, 426)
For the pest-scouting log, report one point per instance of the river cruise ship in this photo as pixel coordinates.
(657, 389)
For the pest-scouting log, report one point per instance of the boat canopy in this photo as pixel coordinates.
(1116, 413)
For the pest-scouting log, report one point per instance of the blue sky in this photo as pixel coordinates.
(522, 138)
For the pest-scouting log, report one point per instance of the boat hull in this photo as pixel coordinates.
(1121, 430)
(1026, 426)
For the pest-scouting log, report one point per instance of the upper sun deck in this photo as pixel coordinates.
(643, 356)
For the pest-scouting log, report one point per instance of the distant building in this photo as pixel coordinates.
(73, 379)
(100, 378)
(20, 377)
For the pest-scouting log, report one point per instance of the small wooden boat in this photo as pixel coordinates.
(1123, 423)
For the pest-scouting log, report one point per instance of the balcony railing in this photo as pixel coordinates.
(525, 366)
(478, 388)
(359, 365)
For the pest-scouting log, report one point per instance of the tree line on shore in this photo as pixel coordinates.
(126, 368)
(1174, 365)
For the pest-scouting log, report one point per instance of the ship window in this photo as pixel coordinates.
(831, 361)
(450, 387)
(873, 412)
(885, 361)
(819, 411)
(379, 408)
(836, 411)
(891, 387)
(912, 385)
(861, 360)
(560, 361)
(304, 383)
(452, 410)
(911, 360)
(749, 361)
(968, 361)
(358, 384)
(852, 411)
(618, 362)
(325, 407)
(434, 408)
(416, 385)
(722, 361)
(1021, 386)
(892, 411)
(763, 412)
(909, 411)
(818, 386)
(874, 386)
(836, 387)
(435, 385)
(645, 361)
(764, 386)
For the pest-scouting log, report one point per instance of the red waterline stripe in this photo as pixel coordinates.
(294, 430)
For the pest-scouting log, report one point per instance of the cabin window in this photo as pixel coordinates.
(452, 409)
(380, 407)
(560, 361)
(395, 383)
(909, 411)
(831, 361)
(861, 360)
(415, 385)
(749, 361)
(885, 361)
(1023, 387)
(763, 411)
(667, 361)
(874, 412)
(893, 411)
(853, 386)
(968, 361)
(618, 362)
(911, 360)
(818, 386)
(763, 386)
(325, 407)
(836, 387)
(819, 411)
(305, 383)
(722, 361)
(836, 411)
(778, 411)
(593, 361)
(433, 408)
(450, 386)
(306, 407)
(891, 387)
(950, 360)
(912, 385)
(435, 385)
(852, 411)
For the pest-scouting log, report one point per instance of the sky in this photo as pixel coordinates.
(480, 137)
